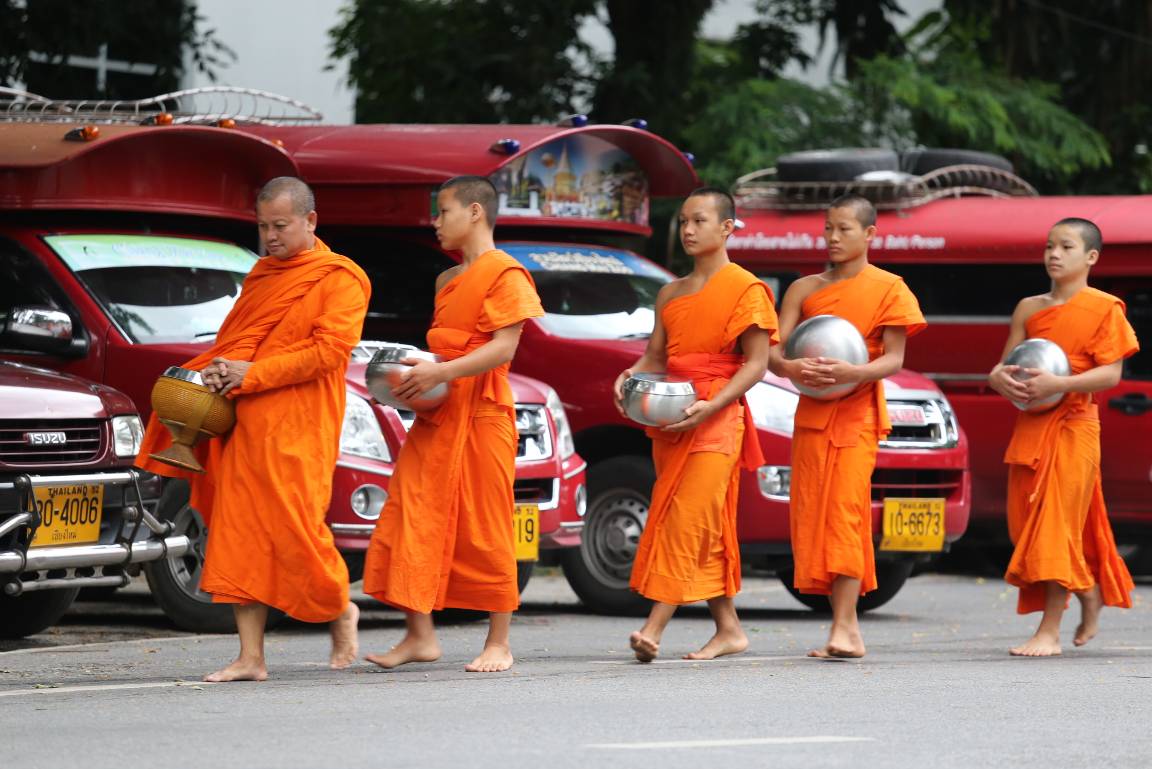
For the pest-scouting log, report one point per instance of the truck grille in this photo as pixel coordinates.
(535, 433)
(921, 424)
(890, 482)
(543, 492)
(84, 442)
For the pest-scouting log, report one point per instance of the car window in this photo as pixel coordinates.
(158, 289)
(971, 293)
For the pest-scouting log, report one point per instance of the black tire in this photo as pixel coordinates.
(619, 493)
(524, 571)
(835, 165)
(922, 161)
(175, 582)
(890, 577)
(28, 614)
(355, 563)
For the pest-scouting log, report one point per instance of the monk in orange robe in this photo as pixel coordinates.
(1056, 514)
(282, 354)
(445, 537)
(834, 443)
(713, 326)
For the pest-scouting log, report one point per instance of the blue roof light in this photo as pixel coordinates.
(505, 146)
(636, 122)
(575, 121)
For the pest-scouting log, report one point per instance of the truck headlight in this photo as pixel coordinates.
(361, 435)
(773, 408)
(564, 440)
(127, 435)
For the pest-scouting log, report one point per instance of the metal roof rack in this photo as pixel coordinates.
(197, 106)
(762, 190)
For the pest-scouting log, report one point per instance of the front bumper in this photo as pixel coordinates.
(24, 570)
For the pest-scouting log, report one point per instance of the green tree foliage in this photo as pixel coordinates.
(462, 61)
(153, 32)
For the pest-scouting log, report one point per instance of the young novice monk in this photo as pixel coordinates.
(714, 327)
(1056, 514)
(445, 536)
(834, 443)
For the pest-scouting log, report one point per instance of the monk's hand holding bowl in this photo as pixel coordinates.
(422, 377)
(618, 390)
(829, 371)
(228, 375)
(1003, 380)
(697, 414)
(1042, 384)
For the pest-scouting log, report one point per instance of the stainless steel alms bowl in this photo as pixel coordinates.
(657, 400)
(826, 336)
(1042, 354)
(385, 372)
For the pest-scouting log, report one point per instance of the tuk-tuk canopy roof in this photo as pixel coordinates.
(431, 154)
(196, 170)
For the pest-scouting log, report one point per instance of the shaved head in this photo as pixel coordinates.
(1089, 232)
(303, 201)
(725, 205)
(475, 189)
(861, 206)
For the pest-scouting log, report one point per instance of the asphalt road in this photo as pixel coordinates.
(115, 686)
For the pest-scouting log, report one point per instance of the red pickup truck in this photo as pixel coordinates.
(137, 237)
(574, 209)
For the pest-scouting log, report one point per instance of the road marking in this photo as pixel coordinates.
(96, 645)
(101, 688)
(691, 662)
(1125, 648)
(726, 743)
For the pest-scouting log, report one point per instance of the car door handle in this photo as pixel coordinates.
(1131, 404)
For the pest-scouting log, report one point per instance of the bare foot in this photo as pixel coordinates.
(719, 645)
(344, 644)
(240, 670)
(495, 658)
(1042, 644)
(842, 644)
(408, 650)
(645, 648)
(1091, 603)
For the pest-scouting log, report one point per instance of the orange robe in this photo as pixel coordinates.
(1056, 513)
(689, 551)
(835, 442)
(445, 537)
(268, 482)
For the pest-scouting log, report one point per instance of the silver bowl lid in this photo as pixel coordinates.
(183, 374)
(659, 384)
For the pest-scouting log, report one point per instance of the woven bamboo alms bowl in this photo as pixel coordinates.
(191, 412)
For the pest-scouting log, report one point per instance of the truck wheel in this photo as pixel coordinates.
(619, 492)
(524, 571)
(28, 614)
(175, 582)
(890, 576)
(922, 161)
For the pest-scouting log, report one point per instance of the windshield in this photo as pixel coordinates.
(158, 289)
(593, 293)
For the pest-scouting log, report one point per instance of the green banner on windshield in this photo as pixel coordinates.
(97, 252)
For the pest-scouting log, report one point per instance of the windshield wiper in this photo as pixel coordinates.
(637, 335)
(203, 334)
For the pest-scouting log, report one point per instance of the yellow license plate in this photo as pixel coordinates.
(913, 524)
(69, 515)
(526, 520)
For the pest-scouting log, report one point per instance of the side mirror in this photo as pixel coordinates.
(42, 329)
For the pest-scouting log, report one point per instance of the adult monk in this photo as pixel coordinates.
(834, 442)
(281, 354)
(713, 326)
(1056, 514)
(445, 537)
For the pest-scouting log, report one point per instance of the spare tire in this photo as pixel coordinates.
(921, 161)
(835, 165)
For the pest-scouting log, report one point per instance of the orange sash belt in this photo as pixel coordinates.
(710, 373)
